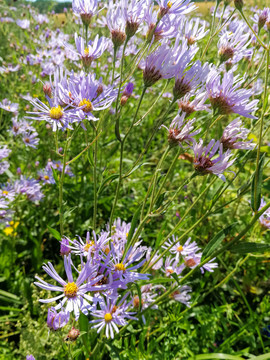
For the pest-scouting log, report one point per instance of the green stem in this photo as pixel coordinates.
(121, 74)
(95, 182)
(61, 183)
(114, 60)
(265, 103)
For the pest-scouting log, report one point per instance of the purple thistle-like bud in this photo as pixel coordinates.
(225, 52)
(64, 248)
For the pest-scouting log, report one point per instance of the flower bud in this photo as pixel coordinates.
(131, 28)
(86, 19)
(127, 93)
(47, 90)
(239, 4)
(64, 248)
(73, 334)
(225, 53)
(262, 19)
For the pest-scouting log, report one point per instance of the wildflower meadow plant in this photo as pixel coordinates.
(134, 177)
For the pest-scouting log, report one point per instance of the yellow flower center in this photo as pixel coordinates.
(88, 245)
(180, 248)
(70, 290)
(56, 113)
(46, 177)
(127, 234)
(120, 267)
(108, 317)
(107, 250)
(169, 5)
(86, 52)
(87, 105)
(5, 192)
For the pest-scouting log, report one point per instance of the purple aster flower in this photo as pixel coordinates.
(234, 45)
(31, 139)
(181, 131)
(57, 320)
(4, 152)
(171, 266)
(181, 250)
(91, 245)
(207, 161)
(86, 9)
(226, 97)
(46, 176)
(4, 165)
(64, 246)
(116, 24)
(30, 187)
(193, 102)
(154, 264)
(9, 106)
(133, 13)
(234, 132)
(182, 295)
(158, 65)
(111, 316)
(91, 51)
(176, 7)
(73, 294)
(191, 31)
(24, 24)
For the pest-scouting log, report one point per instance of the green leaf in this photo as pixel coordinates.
(255, 203)
(55, 176)
(217, 240)
(54, 233)
(104, 182)
(250, 247)
(84, 325)
(262, 357)
(215, 356)
(6, 296)
(174, 275)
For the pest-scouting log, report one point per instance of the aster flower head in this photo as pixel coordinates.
(4, 152)
(31, 139)
(182, 294)
(111, 316)
(158, 65)
(57, 320)
(193, 102)
(73, 293)
(86, 9)
(179, 250)
(23, 23)
(171, 266)
(133, 13)
(226, 96)
(234, 132)
(176, 7)
(9, 106)
(210, 159)
(116, 24)
(181, 131)
(91, 51)
(192, 31)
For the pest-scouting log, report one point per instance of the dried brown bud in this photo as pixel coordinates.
(47, 89)
(73, 334)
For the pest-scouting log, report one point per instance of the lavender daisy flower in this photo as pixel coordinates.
(4, 152)
(24, 24)
(4, 165)
(226, 97)
(31, 140)
(90, 245)
(207, 161)
(57, 320)
(116, 24)
(86, 9)
(9, 106)
(91, 51)
(234, 132)
(191, 30)
(73, 294)
(111, 316)
(182, 295)
(171, 267)
(181, 250)
(158, 65)
(30, 187)
(181, 131)
(197, 103)
(54, 114)
(133, 13)
(176, 7)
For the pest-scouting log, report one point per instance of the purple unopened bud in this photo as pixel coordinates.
(19, 171)
(64, 248)
(30, 357)
(37, 163)
(126, 93)
(65, 10)
(57, 320)
(36, 27)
